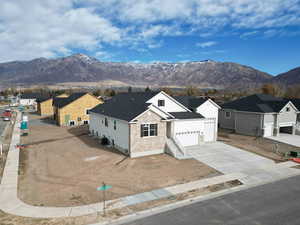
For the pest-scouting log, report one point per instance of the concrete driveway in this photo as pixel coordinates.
(288, 139)
(228, 159)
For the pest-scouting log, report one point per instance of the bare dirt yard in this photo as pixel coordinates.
(64, 166)
(261, 146)
(7, 219)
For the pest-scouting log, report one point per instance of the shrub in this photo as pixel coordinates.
(104, 141)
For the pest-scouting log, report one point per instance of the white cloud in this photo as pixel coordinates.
(47, 28)
(206, 44)
(238, 13)
(249, 34)
(35, 28)
(213, 52)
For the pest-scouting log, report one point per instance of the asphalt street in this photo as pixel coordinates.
(271, 204)
(2, 123)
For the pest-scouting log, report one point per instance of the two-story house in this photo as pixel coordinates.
(147, 123)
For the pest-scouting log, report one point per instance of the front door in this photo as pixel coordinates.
(169, 129)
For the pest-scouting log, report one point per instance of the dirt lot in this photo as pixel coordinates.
(63, 167)
(261, 146)
(7, 219)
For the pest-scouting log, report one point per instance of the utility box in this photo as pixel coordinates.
(25, 118)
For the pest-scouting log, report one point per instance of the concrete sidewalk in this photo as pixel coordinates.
(10, 203)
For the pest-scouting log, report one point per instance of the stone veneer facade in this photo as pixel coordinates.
(144, 145)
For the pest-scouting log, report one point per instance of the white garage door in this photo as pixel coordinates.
(268, 131)
(209, 131)
(188, 138)
(202, 132)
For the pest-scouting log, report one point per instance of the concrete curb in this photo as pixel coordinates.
(164, 208)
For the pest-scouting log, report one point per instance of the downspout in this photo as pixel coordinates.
(234, 117)
(262, 121)
(129, 140)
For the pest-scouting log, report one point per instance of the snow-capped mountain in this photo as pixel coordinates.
(83, 68)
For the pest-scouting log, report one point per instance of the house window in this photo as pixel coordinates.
(106, 122)
(115, 125)
(87, 111)
(287, 109)
(72, 123)
(79, 119)
(161, 102)
(85, 122)
(148, 130)
(227, 115)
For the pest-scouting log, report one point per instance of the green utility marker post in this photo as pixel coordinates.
(103, 188)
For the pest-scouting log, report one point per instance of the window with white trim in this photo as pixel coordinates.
(148, 130)
(161, 102)
(227, 115)
(288, 109)
(106, 122)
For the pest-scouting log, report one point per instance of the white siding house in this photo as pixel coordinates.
(140, 124)
(117, 131)
(27, 101)
(209, 109)
(167, 103)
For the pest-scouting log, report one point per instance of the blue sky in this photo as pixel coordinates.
(262, 34)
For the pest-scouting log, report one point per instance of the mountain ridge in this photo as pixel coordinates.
(83, 68)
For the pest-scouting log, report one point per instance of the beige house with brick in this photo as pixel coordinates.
(73, 110)
(147, 123)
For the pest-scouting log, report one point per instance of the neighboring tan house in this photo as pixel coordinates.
(45, 105)
(148, 123)
(73, 110)
(259, 115)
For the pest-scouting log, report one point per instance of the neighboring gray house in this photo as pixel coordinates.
(259, 115)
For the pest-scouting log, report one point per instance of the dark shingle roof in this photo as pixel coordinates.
(61, 102)
(186, 115)
(33, 95)
(190, 101)
(47, 97)
(257, 103)
(42, 99)
(296, 102)
(125, 106)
